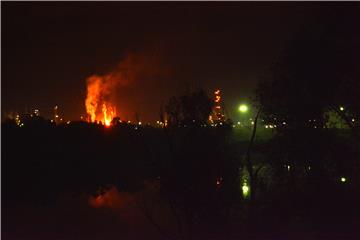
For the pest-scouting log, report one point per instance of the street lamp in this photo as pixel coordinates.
(243, 108)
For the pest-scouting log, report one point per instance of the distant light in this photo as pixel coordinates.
(266, 126)
(288, 167)
(252, 123)
(343, 179)
(68, 122)
(245, 190)
(353, 120)
(284, 123)
(238, 123)
(342, 109)
(243, 108)
(139, 123)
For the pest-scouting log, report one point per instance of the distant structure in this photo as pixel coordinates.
(56, 115)
(218, 113)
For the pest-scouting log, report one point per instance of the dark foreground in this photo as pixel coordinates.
(88, 182)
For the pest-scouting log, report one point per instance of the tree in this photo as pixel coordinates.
(189, 109)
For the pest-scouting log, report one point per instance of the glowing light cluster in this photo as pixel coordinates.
(217, 114)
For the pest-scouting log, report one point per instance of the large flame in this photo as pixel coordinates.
(108, 114)
(98, 108)
(102, 89)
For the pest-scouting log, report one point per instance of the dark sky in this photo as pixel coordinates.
(49, 49)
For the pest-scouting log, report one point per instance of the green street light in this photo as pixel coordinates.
(245, 190)
(243, 108)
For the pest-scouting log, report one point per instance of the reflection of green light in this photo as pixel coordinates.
(343, 179)
(243, 108)
(245, 190)
(341, 108)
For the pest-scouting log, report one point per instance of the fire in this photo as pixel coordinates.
(97, 106)
(108, 114)
(102, 90)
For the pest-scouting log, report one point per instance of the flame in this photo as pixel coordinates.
(103, 89)
(108, 114)
(98, 89)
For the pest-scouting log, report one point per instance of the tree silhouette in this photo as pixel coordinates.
(189, 109)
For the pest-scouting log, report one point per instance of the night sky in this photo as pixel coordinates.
(49, 49)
